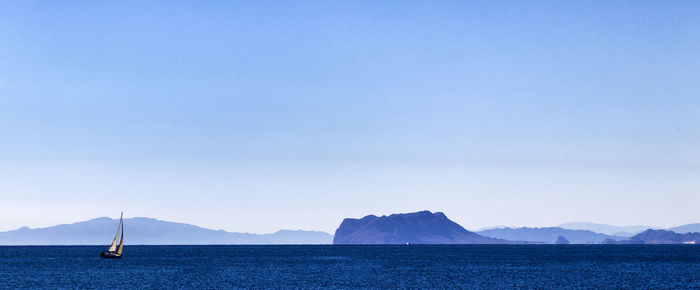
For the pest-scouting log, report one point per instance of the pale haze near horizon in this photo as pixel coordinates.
(259, 116)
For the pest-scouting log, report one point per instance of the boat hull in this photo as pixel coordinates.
(108, 255)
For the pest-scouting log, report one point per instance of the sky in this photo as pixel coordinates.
(255, 116)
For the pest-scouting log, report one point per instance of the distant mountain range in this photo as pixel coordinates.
(626, 231)
(417, 228)
(149, 231)
(579, 233)
(621, 231)
(422, 227)
(660, 237)
(689, 228)
(435, 228)
(548, 235)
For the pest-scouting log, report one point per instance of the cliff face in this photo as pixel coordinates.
(416, 228)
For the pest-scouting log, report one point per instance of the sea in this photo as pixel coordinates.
(334, 266)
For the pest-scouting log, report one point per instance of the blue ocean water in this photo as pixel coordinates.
(415, 266)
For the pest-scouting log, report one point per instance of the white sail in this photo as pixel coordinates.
(113, 247)
(121, 241)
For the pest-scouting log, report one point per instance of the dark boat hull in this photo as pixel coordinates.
(108, 255)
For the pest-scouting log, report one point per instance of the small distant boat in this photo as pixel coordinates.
(115, 252)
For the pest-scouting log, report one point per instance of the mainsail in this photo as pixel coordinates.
(113, 247)
(121, 242)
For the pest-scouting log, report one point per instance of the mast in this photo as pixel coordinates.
(121, 241)
(113, 246)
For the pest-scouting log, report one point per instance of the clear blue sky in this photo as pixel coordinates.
(260, 115)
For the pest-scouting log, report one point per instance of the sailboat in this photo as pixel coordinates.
(115, 252)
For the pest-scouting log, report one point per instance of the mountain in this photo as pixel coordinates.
(689, 228)
(149, 231)
(548, 235)
(421, 227)
(623, 231)
(662, 237)
(562, 241)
